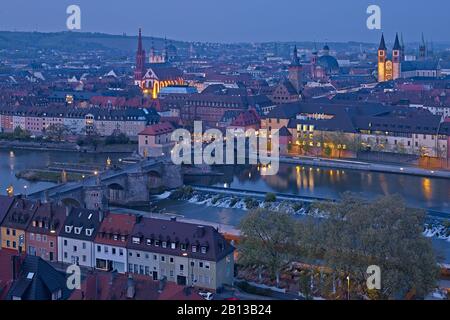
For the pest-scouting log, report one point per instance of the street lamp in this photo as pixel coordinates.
(348, 287)
(10, 191)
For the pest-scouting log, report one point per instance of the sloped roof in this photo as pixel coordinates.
(115, 224)
(157, 129)
(5, 204)
(37, 281)
(180, 232)
(111, 286)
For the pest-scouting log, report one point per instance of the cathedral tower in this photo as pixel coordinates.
(295, 72)
(140, 61)
(422, 49)
(314, 60)
(396, 59)
(382, 60)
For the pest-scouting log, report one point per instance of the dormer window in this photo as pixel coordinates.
(203, 249)
(123, 238)
(183, 246)
(173, 245)
(156, 243)
(164, 244)
(149, 242)
(136, 240)
(116, 237)
(89, 232)
(194, 248)
(78, 230)
(34, 223)
(68, 229)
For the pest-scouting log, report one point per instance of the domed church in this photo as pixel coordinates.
(324, 65)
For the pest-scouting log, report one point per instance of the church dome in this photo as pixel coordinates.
(329, 64)
(172, 49)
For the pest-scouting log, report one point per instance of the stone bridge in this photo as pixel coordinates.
(130, 185)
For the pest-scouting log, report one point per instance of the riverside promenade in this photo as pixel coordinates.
(365, 166)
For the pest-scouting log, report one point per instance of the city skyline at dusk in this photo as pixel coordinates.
(236, 21)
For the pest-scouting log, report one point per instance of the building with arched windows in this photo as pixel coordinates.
(159, 73)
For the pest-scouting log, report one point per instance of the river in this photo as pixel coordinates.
(13, 161)
(421, 192)
(429, 193)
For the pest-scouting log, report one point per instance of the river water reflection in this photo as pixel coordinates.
(15, 161)
(429, 193)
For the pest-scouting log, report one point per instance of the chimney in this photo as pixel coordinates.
(68, 209)
(46, 198)
(200, 231)
(101, 215)
(162, 284)
(15, 266)
(131, 288)
(112, 277)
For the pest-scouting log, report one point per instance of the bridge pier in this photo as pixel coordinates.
(127, 186)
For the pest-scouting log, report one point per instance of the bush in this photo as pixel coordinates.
(297, 206)
(120, 138)
(246, 287)
(271, 197)
(251, 203)
(184, 192)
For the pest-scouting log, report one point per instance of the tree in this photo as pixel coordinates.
(21, 134)
(270, 197)
(117, 138)
(267, 240)
(56, 132)
(357, 234)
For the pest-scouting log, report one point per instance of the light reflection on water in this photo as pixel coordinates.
(12, 162)
(429, 193)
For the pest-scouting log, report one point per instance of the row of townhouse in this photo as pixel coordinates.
(103, 122)
(179, 252)
(361, 126)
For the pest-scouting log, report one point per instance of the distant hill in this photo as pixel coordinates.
(77, 41)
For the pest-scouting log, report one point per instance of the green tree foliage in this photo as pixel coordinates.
(354, 235)
(270, 197)
(267, 240)
(119, 138)
(20, 134)
(357, 234)
(56, 132)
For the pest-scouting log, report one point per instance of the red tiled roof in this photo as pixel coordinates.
(6, 271)
(115, 224)
(109, 286)
(246, 118)
(157, 129)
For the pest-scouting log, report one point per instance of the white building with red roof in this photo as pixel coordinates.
(155, 140)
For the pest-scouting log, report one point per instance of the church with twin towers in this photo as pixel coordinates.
(390, 69)
(397, 66)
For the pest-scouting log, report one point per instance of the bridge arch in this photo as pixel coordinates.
(116, 192)
(71, 202)
(154, 180)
